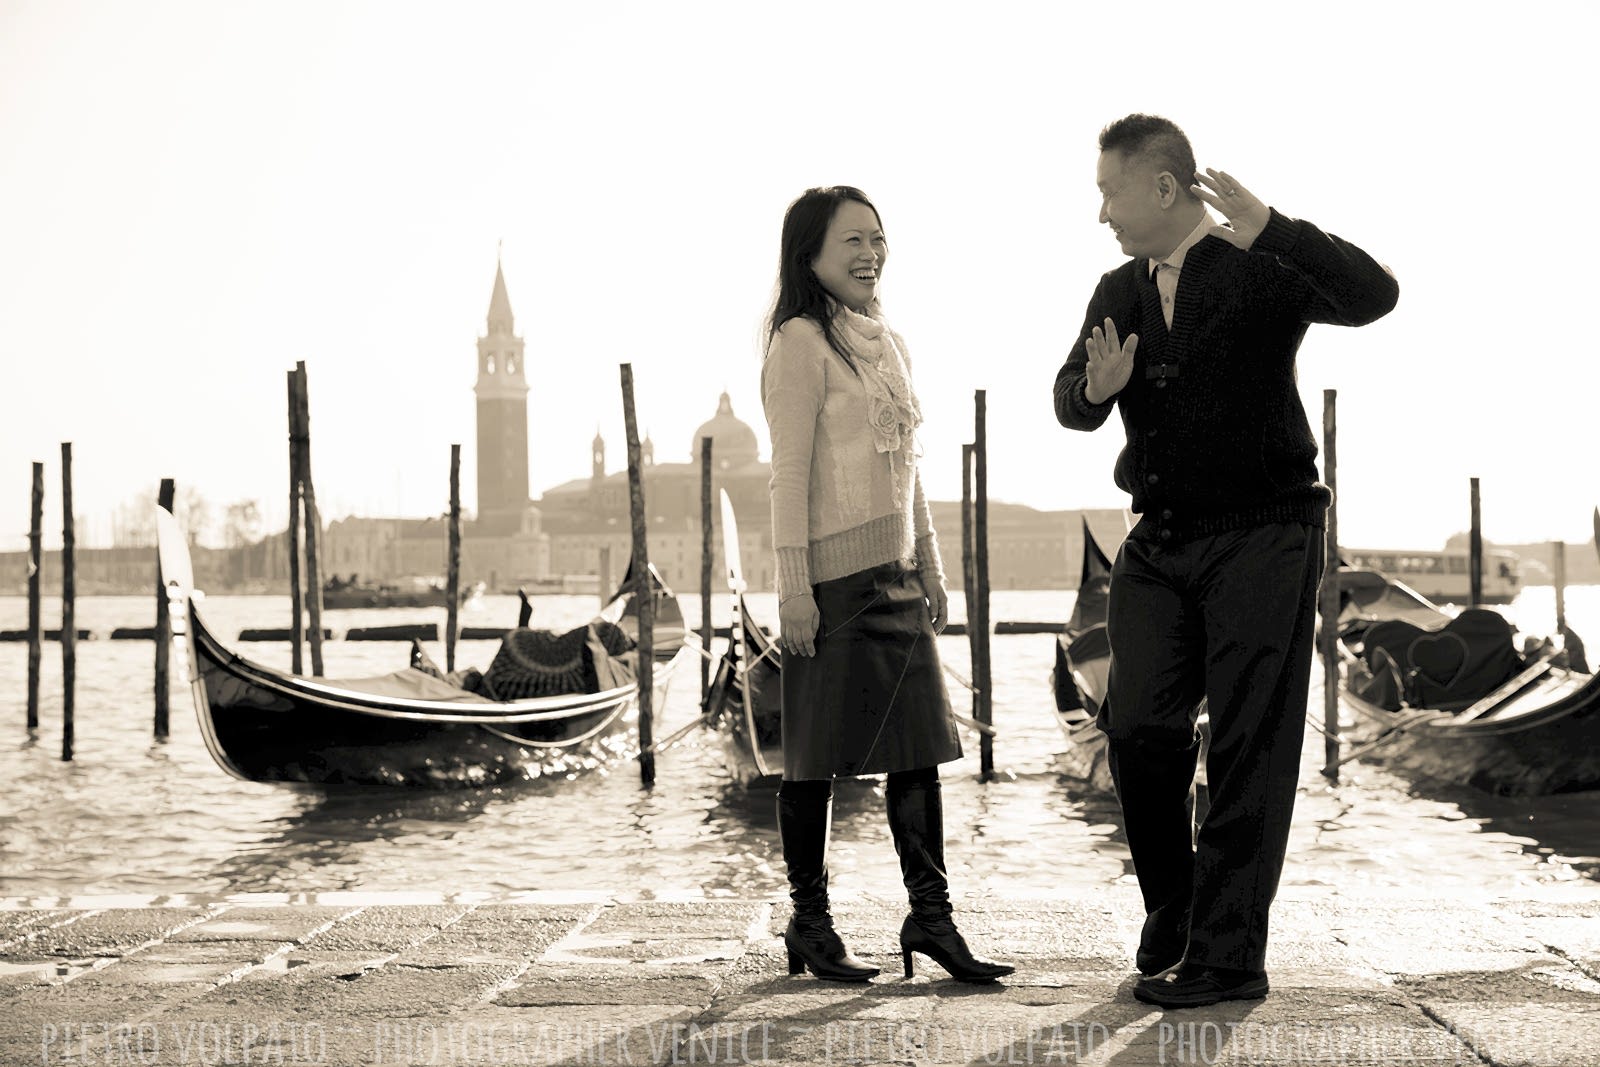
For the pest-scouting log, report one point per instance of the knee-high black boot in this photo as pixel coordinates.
(804, 814)
(916, 818)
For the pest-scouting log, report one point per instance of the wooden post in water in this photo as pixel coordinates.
(1475, 550)
(453, 571)
(313, 521)
(1329, 598)
(292, 534)
(164, 497)
(35, 562)
(706, 553)
(644, 594)
(69, 596)
(969, 583)
(981, 679)
(605, 574)
(1558, 551)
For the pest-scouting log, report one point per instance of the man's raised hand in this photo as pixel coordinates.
(1110, 363)
(1246, 215)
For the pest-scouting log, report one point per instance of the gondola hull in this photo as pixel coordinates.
(1542, 737)
(1082, 659)
(410, 727)
(751, 737)
(268, 726)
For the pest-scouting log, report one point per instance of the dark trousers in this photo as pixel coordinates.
(1229, 618)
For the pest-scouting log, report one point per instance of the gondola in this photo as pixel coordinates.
(1083, 666)
(1083, 659)
(1459, 698)
(409, 727)
(744, 702)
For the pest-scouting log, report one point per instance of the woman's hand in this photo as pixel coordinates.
(938, 603)
(798, 619)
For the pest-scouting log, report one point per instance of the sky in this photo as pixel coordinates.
(195, 195)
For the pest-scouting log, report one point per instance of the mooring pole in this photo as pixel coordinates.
(969, 581)
(453, 573)
(164, 497)
(1329, 597)
(1475, 551)
(644, 593)
(981, 677)
(292, 535)
(69, 595)
(1558, 552)
(706, 552)
(35, 563)
(313, 521)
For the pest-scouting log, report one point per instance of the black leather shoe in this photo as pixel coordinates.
(813, 945)
(804, 815)
(938, 939)
(916, 821)
(1189, 986)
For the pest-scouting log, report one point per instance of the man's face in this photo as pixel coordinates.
(1130, 203)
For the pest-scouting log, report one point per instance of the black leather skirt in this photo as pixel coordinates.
(873, 699)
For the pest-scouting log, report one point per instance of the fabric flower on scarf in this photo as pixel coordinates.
(892, 408)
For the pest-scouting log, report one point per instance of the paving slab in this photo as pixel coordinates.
(263, 924)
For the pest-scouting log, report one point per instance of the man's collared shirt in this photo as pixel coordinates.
(1165, 271)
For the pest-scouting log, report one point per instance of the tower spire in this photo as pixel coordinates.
(500, 318)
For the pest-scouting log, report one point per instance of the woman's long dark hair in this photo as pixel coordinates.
(800, 293)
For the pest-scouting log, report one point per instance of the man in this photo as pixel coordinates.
(1213, 594)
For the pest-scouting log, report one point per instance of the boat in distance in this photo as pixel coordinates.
(411, 727)
(340, 593)
(1443, 577)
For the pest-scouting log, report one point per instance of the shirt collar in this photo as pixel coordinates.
(1175, 260)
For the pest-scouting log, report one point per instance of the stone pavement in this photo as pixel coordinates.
(333, 981)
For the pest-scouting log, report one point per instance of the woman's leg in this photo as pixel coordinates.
(916, 819)
(804, 815)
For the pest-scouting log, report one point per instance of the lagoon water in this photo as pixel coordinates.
(138, 820)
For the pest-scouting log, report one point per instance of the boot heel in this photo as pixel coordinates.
(797, 964)
(910, 971)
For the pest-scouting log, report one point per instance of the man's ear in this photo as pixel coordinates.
(1166, 188)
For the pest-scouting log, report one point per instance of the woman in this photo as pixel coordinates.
(860, 584)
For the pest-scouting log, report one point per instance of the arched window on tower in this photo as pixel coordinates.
(489, 363)
(511, 364)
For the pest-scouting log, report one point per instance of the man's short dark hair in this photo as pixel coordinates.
(1154, 141)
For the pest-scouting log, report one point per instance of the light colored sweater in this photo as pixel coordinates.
(846, 494)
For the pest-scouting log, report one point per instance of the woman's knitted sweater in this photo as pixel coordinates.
(846, 494)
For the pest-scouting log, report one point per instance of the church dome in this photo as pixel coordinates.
(733, 442)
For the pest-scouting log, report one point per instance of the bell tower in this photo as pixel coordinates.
(502, 392)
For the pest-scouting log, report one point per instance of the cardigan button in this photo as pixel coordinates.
(1161, 383)
(1151, 479)
(1166, 535)
(1166, 514)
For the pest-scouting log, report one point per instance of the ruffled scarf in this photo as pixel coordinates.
(880, 355)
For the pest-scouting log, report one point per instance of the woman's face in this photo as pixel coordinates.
(852, 256)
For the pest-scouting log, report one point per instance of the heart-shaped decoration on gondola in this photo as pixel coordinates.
(1438, 657)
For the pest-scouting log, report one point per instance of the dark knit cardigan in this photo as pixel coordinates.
(1217, 436)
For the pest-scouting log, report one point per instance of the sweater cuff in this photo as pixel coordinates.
(1078, 397)
(794, 573)
(1279, 237)
(929, 563)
